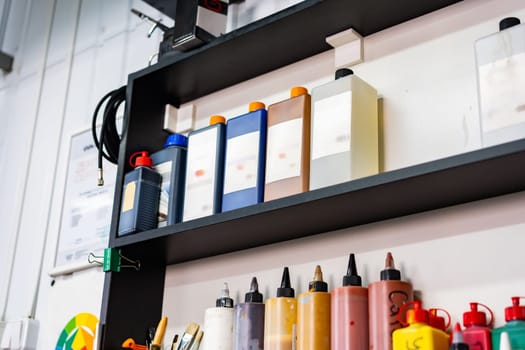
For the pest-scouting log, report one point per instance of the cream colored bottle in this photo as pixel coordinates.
(344, 143)
(218, 323)
(288, 146)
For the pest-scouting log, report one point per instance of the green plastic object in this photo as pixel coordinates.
(112, 260)
(515, 326)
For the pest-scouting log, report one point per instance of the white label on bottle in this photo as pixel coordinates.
(332, 125)
(284, 150)
(200, 179)
(242, 154)
(502, 92)
(164, 169)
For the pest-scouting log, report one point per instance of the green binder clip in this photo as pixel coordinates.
(112, 260)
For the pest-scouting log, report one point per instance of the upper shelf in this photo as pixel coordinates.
(441, 183)
(283, 38)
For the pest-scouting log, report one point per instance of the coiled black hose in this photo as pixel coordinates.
(108, 143)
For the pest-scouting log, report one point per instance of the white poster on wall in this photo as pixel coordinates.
(87, 207)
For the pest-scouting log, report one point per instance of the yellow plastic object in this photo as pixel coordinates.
(419, 335)
(313, 321)
(279, 323)
(217, 119)
(255, 106)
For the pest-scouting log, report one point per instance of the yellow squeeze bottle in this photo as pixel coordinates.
(313, 315)
(281, 317)
(418, 334)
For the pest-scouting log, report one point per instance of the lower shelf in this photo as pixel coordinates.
(463, 178)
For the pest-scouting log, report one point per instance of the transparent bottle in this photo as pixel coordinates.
(500, 59)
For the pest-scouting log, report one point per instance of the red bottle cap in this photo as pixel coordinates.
(515, 312)
(415, 315)
(140, 159)
(477, 318)
(437, 321)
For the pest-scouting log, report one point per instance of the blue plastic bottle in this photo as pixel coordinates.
(515, 326)
(140, 196)
(204, 170)
(170, 163)
(245, 158)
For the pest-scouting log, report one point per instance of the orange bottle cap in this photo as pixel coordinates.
(255, 105)
(298, 91)
(217, 119)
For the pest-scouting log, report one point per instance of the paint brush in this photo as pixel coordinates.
(174, 342)
(159, 334)
(197, 341)
(188, 336)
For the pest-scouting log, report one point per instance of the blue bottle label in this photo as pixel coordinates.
(242, 157)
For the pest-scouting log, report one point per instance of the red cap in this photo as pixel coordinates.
(515, 312)
(437, 321)
(477, 318)
(417, 314)
(140, 159)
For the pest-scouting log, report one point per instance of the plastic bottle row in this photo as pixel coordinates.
(299, 144)
(352, 317)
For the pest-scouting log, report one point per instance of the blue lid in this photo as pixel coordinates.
(176, 140)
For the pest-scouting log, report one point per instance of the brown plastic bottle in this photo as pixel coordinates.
(385, 298)
(288, 146)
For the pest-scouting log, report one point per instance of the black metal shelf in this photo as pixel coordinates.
(132, 299)
(441, 183)
(286, 37)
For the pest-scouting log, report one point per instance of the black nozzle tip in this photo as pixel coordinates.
(285, 290)
(508, 22)
(343, 72)
(352, 278)
(253, 296)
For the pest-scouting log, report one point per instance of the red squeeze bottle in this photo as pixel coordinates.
(477, 332)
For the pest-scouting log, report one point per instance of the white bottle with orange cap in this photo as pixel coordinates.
(288, 146)
(204, 170)
(245, 158)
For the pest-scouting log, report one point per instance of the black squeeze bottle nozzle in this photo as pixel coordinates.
(253, 296)
(390, 273)
(318, 285)
(285, 290)
(224, 299)
(343, 72)
(508, 22)
(352, 278)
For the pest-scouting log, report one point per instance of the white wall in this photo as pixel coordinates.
(69, 53)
